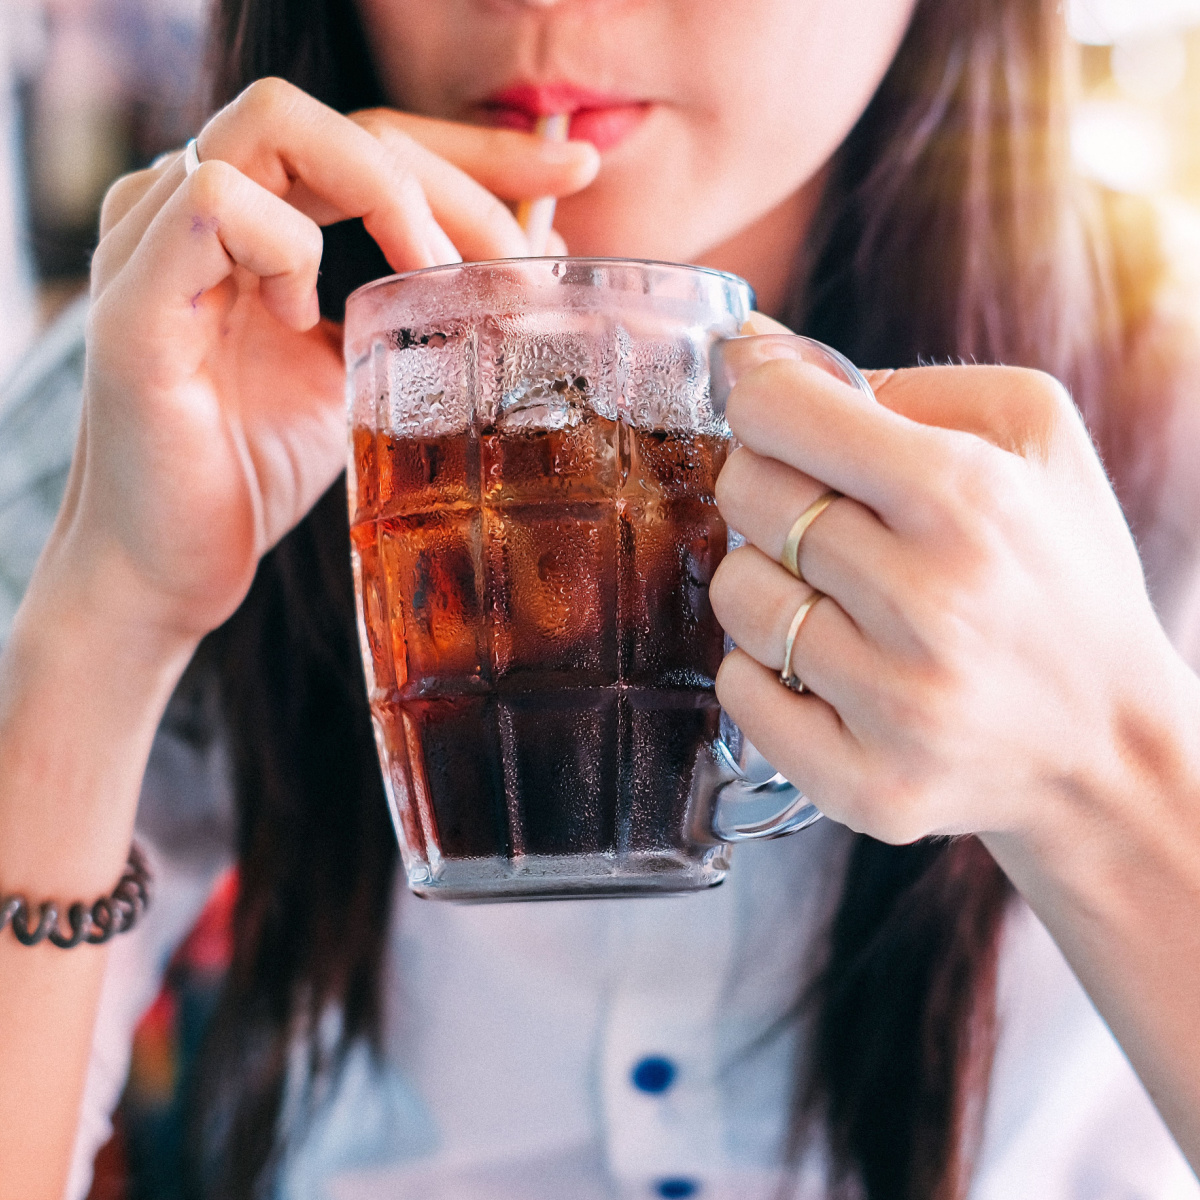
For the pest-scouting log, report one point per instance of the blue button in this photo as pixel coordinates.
(676, 1189)
(654, 1075)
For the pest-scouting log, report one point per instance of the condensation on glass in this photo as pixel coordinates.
(534, 449)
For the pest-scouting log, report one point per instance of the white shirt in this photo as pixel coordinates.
(514, 1035)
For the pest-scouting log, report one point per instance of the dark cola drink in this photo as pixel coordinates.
(539, 636)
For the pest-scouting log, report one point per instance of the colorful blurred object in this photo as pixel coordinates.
(143, 1159)
(1103, 22)
(1121, 146)
(1137, 126)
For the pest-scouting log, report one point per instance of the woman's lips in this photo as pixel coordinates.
(601, 118)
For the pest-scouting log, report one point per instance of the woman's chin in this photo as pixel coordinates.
(620, 232)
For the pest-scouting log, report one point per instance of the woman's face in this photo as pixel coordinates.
(710, 114)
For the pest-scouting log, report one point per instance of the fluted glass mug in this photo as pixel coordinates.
(533, 450)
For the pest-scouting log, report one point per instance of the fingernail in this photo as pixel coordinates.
(745, 353)
(441, 249)
(735, 357)
(759, 323)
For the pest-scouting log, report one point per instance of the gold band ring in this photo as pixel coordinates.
(787, 676)
(790, 558)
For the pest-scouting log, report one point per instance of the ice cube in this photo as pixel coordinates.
(374, 618)
(433, 566)
(552, 583)
(419, 474)
(550, 466)
(669, 552)
(427, 384)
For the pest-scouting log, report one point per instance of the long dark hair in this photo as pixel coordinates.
(950, 229)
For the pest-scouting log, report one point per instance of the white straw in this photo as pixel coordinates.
(536, 216)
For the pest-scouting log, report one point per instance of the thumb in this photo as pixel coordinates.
(1023, 412)
(760, 323)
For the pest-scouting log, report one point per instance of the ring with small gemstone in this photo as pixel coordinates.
(787, 676)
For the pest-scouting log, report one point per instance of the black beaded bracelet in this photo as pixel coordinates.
(110, 915)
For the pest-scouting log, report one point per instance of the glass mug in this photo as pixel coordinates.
(534, 447)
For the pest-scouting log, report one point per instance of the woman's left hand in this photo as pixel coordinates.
(986, 635)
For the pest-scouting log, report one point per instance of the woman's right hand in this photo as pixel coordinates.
(213, 413)
(212, 420)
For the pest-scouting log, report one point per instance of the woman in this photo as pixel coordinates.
(907, 200)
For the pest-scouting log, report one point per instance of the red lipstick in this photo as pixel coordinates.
(602, 118)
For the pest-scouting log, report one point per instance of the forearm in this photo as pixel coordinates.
(1115, 877)
(81, 694)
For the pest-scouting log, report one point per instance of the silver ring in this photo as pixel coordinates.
(191, 158)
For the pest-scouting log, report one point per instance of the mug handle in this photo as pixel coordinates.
(746, 809)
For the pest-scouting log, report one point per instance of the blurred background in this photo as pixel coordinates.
(89, 89)
(92, 88)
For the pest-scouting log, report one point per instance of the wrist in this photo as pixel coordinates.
(1097, 830)
(86, 579)
(84, 680)
(1113, 871)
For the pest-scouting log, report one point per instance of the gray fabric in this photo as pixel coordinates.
(39, 417)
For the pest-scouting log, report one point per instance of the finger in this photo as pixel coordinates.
(797, 413)
(555, 245)
(1016, 409)
(506, 162)
(116, 248)
(284, 140)
(124, 194)
(215, 221)
(755, 601)
(480, 225)
(759, 323)
(801, 736)
(846, 552)
(127, 228)
(762, 497)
